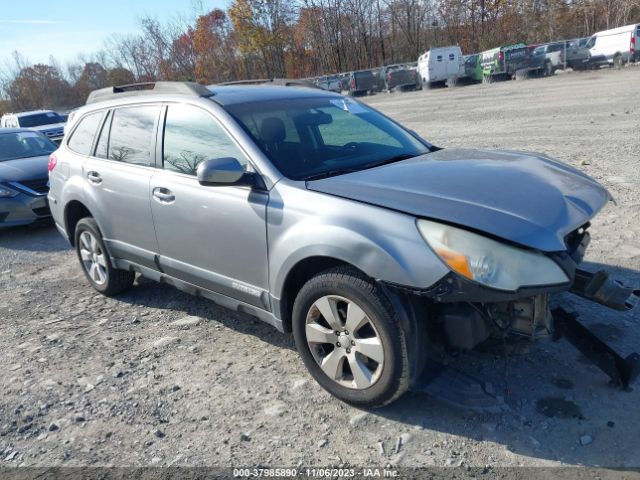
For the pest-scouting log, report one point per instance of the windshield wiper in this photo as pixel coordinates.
(329, 173)
(396, 158)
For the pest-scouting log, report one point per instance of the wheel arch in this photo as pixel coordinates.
(74, 211)
(297, 276)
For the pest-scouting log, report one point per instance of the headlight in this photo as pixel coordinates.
(489, 262)
(6, 192)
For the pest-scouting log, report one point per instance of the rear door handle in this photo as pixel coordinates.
(163, 195)
(94, 177)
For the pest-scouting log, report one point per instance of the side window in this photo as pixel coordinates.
(82, 138)
(452, 56)
(439, 58)
(131, 139)
(191, 136)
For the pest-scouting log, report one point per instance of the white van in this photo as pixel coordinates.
(614, 47)
(440, 64)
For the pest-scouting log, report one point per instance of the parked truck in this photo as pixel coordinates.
(441, 65)
(503, 62)
(400, 77)
(614, 47)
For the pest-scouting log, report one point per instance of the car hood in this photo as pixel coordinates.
(21, 169)
(524, 198)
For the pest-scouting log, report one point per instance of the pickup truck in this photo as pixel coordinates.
(547, 58)
(501, 63)
(578, 53)
(400, 77)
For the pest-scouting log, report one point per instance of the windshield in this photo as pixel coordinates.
(38, 119)
(314, 137)
(24, 145)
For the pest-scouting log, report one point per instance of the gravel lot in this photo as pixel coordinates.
(156, 377)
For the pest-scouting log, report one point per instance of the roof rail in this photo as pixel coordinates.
(147, 88)
(281, 82)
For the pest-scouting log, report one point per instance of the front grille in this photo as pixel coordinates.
(59, 132)
(39, 186)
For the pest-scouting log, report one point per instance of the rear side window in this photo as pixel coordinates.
(452, 56)
(82, 138)
(191, 136)
(131, 139)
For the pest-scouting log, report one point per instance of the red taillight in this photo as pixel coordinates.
(500, 56)
(632, 47)
(388, 76)
(53, 161)
(353, 83)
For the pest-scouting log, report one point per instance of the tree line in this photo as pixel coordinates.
(300, 38)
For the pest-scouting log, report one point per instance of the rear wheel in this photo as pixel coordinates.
(617, 61)
(95, 261)
(349, 338)
(548, 69)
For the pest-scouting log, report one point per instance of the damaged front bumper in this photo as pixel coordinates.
(599, 288)
(467, 314)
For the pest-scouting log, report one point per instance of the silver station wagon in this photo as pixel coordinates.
(325, 218)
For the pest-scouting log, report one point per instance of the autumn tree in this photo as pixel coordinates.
(39, 86)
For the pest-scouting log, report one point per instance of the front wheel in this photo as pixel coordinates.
(95, 261)
(348, 336)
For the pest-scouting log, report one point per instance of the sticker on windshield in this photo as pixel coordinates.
(349, 106)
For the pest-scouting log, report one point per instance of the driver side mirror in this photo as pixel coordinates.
(224, 171)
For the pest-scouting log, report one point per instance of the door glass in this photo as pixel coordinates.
(191, 136)
(82, 138)
(131, 138)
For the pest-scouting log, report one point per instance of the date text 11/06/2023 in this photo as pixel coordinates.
(372, 472)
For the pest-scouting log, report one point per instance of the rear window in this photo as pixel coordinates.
(362, 75)
(131, 138)
(38, 119)
(82, 138)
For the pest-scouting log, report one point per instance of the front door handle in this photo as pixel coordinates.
(94, 177)
(163, 195)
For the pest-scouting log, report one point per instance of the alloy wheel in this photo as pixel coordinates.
(93, 258)
(344, 342)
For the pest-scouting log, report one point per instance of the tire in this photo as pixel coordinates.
(487, 79)
(452, 82)
(95, 263)
(522, 74)
(548, 69)
(337, 291)
(618, 62)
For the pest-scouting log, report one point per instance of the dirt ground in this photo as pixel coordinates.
(156, 377)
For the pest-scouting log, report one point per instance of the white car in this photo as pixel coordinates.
(439, 65)
(47, 122)
(614, 47)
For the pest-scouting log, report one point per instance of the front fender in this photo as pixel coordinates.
(384, 244)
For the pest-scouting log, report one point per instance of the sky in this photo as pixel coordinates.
(66, 28)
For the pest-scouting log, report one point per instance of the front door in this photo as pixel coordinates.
(212, 237)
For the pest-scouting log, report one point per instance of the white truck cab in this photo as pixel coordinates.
(440, 64)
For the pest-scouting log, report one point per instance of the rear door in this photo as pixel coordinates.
(213, 237)
(117, 180)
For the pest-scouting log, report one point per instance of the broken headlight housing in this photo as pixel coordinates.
(489, 262)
